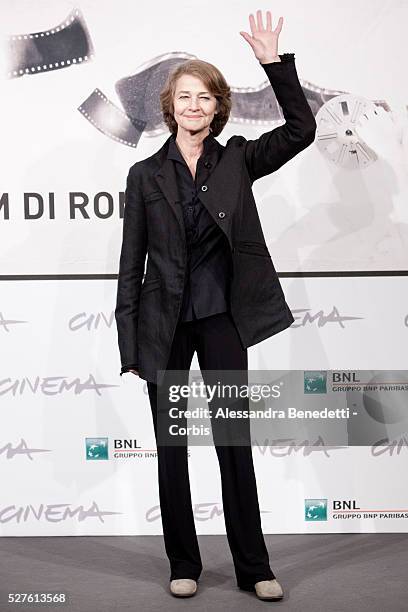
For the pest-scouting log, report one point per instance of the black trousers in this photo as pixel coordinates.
(218, 347)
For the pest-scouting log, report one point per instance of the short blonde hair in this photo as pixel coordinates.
(215, 83)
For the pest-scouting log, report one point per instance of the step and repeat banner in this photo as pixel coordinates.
(79, 105)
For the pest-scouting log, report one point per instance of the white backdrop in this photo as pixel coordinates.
(59, 377)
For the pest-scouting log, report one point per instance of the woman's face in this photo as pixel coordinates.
(194, 105)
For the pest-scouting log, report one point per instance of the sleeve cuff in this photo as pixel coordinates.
(127, 368)
(284, 57)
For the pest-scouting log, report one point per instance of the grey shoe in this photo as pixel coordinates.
(183, 587)
(268, 590)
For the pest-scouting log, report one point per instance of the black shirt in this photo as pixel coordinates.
(209, 269)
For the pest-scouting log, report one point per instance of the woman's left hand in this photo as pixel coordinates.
(264, 41)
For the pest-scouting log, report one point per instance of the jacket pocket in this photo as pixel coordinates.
(154, 195)
(149, 316)
(253, 248)
(151, 283)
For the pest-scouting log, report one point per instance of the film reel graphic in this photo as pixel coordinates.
(65, 45)
(337, 134)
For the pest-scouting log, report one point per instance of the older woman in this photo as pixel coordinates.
(210, 284)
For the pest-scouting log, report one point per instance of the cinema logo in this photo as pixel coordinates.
(204, 511)
(305, 317)
(52, 513)
(10, 450)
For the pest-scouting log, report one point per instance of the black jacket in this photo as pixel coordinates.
(148, 307)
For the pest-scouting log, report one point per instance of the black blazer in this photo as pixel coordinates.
(147, 307)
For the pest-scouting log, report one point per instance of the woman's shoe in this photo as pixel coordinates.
(269, 590)
(183, 587)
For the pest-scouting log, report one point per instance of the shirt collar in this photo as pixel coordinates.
(173, 152)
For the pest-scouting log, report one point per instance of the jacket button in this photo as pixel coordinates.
(221, 214)
(208, 164)
(204, 188)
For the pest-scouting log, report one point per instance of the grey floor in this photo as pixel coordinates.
(353, 572)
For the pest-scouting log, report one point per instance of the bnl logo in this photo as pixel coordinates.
(315, 509)
(315, 381)
(345, 377)
(96, 448)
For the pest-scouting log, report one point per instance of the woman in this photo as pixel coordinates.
(210, 284)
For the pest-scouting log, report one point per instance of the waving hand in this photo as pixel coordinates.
(264, 41)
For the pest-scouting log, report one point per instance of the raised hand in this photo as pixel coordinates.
(264, 41)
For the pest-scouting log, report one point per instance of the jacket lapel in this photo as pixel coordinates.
(220, 176)
(167, 181)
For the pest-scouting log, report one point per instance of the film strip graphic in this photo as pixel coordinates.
(111, 120)
(139, 96)
(65, 45)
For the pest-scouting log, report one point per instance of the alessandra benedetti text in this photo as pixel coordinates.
(267, 413)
